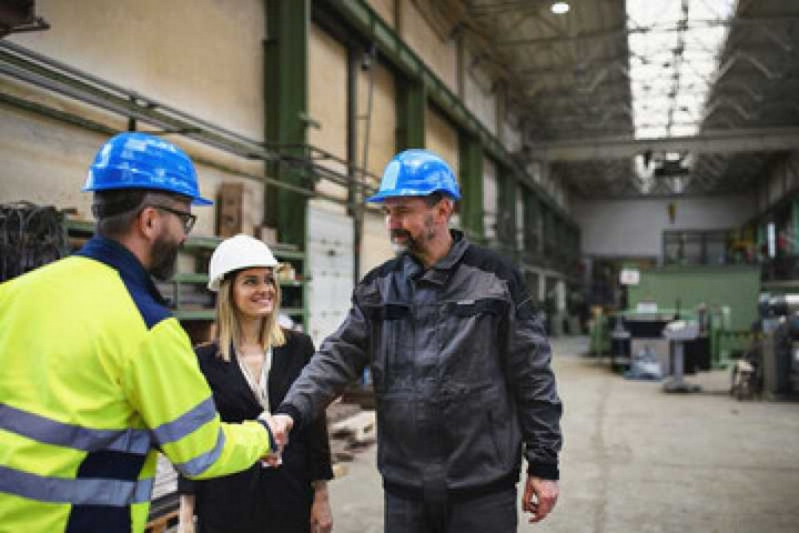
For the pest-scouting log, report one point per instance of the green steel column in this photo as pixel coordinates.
(470, 155)
(507, 207)
(411, 105)
(286, 92)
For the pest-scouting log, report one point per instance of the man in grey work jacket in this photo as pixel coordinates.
(460, 365)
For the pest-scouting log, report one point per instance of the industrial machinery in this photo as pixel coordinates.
(678, 333)
(780, 346)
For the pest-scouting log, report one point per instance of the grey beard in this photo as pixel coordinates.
(398, 248)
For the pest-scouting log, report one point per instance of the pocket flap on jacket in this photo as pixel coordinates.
(464, 308)
(387, 311)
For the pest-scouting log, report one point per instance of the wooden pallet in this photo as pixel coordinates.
(160, 524)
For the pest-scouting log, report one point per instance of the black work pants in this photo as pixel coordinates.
(495, 513)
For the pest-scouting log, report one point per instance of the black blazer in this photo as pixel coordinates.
(259, 498)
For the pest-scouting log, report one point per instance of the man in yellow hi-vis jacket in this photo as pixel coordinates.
(96, 375)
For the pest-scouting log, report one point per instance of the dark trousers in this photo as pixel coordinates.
(494, 513)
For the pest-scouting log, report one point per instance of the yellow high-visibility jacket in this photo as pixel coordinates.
(95, 375)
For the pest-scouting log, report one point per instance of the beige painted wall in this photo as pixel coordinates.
(327, 102)
(163, 53)
(382, 131)
(442, 139)
(44, 162)
(384, 8)
(438, 53)
(479, 94)
(163, 50)
(376, 247)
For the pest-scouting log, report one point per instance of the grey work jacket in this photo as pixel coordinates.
(461, 371)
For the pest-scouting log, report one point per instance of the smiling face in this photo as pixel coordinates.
(254, 292)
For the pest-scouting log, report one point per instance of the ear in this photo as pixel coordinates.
(444, 208)
(149, 223)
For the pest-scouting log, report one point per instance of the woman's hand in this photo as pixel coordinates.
(186, 514)
(321, 517)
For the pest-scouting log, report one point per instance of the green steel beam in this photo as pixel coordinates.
(411, 105)
(470, 156)
(372, 28)
(507, 206)
(286, 94)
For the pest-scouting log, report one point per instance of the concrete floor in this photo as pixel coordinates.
(638, 460)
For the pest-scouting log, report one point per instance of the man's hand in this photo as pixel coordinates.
(281, 425)
(321, 517)
(540, 497)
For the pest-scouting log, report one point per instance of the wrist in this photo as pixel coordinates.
(292, 412)
(320, 487)
(262, 419)
(544, 471)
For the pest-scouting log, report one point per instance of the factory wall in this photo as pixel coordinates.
(781, 180)
(327, 103)
(479, 92)
(437, 50)
(386, 10)
(207, 60)
(162, 52)
(634, 228)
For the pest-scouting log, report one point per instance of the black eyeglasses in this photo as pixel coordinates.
(185, 217)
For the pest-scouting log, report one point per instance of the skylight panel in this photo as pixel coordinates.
(674, 47)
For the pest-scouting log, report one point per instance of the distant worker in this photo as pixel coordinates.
(97, 375)
(250, 366)
(460, 364)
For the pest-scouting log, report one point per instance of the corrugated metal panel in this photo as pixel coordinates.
(330, 261)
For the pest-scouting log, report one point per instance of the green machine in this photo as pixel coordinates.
(729, 295)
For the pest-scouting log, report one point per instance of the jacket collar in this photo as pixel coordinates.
(118, 257)
(440, 272)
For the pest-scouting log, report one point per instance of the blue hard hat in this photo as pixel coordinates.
(416, 173)
(136, 160)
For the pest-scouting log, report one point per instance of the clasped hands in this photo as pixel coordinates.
(280, 425)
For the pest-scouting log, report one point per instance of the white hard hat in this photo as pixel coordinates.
(235, 253)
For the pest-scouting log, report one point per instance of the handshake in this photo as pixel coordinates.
(280, 425)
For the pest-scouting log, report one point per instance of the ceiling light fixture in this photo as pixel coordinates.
(559, 8)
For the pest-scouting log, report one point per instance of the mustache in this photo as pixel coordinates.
(400, 233)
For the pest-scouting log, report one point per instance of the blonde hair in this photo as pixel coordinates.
(228, 330)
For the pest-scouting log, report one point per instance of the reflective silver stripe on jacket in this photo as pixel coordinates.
(81, 491)
(200, 464)
(48, 431)
(187, 423)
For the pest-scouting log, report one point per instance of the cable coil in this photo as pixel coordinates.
(30, 236)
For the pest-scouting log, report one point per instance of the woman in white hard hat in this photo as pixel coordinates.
(250, 366)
